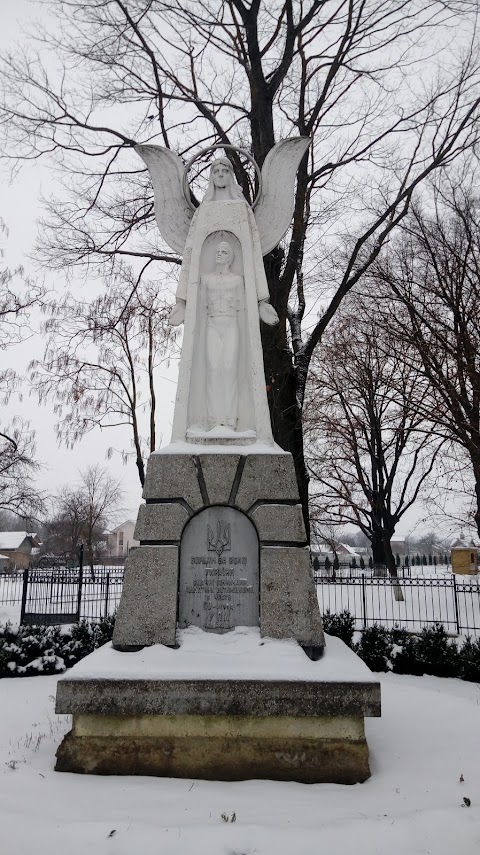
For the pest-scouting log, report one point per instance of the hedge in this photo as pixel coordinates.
(430, 651)
(29, 650)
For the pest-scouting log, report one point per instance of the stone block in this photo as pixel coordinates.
(267, 477)
(147, 613)
(218, 748)
(173, 476)
(180, 697)
(280, 523)
(219, 472)
(289, 604)
(162, 521)
(309, 727)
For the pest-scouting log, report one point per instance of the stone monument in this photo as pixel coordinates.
(222, 576)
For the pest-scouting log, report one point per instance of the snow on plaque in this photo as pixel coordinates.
(219, 571)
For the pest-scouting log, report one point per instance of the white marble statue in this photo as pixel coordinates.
(222, 291)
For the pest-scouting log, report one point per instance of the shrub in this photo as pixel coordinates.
(375, 647)
(397, 650)
(341, 625)
(29, 650)
(469, 660)
(436, 653)
(404, 656)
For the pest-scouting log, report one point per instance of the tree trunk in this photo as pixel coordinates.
(285, 415)
(476, 475)
(384, 559)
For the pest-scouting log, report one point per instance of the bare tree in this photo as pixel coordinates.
(18, 469)
(18, 295)
(102, 496)
(100, 361)
(64, 530)
(370, 447)
(18, 466)
(387, 89)
(83, 511)
(433, 269)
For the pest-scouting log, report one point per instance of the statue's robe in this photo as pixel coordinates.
(231, 221)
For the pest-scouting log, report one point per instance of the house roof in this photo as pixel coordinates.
(14, 539)
(119, 527)
(350, 550)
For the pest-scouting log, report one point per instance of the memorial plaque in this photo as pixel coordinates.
(219, 571)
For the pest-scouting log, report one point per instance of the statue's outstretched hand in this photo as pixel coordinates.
(177, 314)
(267, 314)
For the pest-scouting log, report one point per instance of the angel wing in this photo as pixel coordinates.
(172, 212)
(273, 213)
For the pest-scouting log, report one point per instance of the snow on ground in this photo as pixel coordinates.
(10, 612)
(428, 736)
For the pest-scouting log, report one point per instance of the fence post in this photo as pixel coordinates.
(455, 600)
(24, 594)
(364, 602)
(80, 585)
(106, 594)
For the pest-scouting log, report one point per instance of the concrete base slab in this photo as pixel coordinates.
(223, 748)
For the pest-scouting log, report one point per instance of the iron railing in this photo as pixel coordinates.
(10, 588)
(63, 596)
(408, 602)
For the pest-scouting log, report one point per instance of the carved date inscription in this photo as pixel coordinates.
(219, 571)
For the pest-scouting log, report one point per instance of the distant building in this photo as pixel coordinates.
(19, 547)
(465, 560)
(344, 552)
(121, 539)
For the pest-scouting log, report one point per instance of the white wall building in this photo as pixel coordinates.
(121, 539)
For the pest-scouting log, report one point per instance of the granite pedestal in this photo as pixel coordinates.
(223, 560)
(261, 487)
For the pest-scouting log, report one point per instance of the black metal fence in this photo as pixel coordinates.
(408, 602)
(10, 588)
(347, 569)
(64, 596)
(52, 597)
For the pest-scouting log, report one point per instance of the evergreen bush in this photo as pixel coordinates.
(29, 650)
(397, 650)
(469, 660)
(404, 657)
(375, 647)
(341, 625)
(436, 653)
(26, 651)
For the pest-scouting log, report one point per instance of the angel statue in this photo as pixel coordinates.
(222, 292)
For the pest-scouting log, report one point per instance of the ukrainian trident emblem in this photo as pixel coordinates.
(221, 541)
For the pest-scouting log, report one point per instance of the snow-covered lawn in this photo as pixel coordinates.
(428, 736)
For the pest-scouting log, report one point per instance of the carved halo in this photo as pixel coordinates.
(203, 151)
